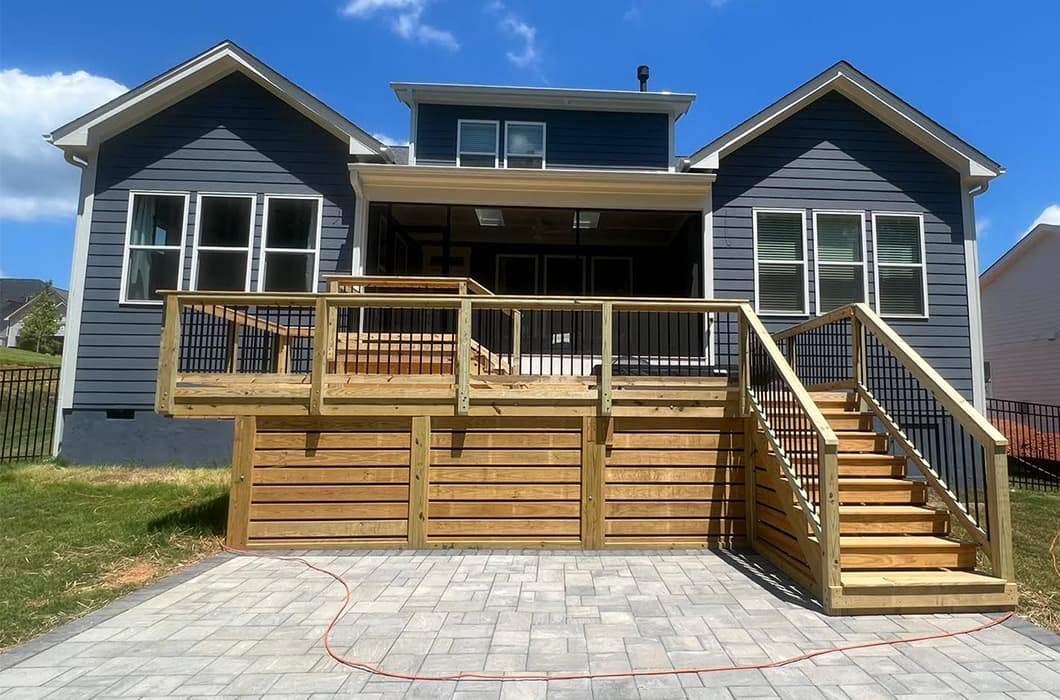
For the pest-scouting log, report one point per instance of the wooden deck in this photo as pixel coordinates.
(353, 433)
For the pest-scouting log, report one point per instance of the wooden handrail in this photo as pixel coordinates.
(823, 320)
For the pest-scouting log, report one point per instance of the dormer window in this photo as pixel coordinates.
(477, 143)
(524, 145)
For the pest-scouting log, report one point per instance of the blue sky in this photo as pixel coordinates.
(988, 71)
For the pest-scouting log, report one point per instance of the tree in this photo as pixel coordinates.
(41, 324)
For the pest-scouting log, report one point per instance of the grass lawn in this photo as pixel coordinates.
(1035, 522)
(74, 539)
(13, 357)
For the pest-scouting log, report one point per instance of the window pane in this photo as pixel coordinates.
(839, 237)
(225, 221)
(898, 239)
(157, 219)
(289, 272)
(222, 271)
(781, 288)
(901, 291)
(525, 140)
(840, 285)
(526, 162)
(477, 161)
(292, 224)
(779, 236)
(478, 138)
(149, 271)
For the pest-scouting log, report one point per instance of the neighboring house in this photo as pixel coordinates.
(738, 347)
(16, 299)
(1021, 319)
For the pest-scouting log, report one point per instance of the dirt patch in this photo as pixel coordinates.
(137, 574)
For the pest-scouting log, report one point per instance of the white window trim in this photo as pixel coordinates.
(755, 211)
(127, 247)
(544, 143)
(922, 264)
(611, 258)
(496, 139)
(196, 246)
(817, 263)
(264, 250)
(516, 256)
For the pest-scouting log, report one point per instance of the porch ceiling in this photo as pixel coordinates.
(620, 189)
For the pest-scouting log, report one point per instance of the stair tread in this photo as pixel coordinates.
(904, 542)
(883, 509)
(873, 579)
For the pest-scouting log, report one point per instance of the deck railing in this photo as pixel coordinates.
(1033, 432)
(961, 456)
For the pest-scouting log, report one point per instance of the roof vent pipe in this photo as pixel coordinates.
(642, 75)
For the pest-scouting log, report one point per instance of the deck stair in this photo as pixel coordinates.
(897, 550)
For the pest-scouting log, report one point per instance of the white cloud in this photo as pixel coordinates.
(1049, 215)
(527, 55)
(982, 225)
(35, 181)
(389, 140)
(406, 20)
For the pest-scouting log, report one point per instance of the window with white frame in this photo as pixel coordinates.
(839, 239)
(154, 245)
(780, 262)
(290, 244)
(476, 143)
(224, 228)
(524, 145)
(901, 275)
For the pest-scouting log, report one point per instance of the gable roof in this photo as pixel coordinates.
(1018, 251)
(673, 103)
(874, 98)
(17, 292)
(59, 296)
(85, 132)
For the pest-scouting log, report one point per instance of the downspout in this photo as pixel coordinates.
(975, 307)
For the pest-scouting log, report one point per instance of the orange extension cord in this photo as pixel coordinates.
(360, 665)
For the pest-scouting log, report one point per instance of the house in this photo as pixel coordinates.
(541, 326)
(16, 298)
(1021, 319)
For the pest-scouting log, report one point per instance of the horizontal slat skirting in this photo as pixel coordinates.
(343, 424)
(335, 475)
(505, 509)
(505, 475)
(480, 439)
(497, 457)
(678, 441)
(674, 526)
(503, 492)
(352, 494)
(328, 528)
(328, 511)
(679, 492)
(666, 458)
(674, 509)
(658, 475)
(331, 458)
(331, 441)
(485, 528)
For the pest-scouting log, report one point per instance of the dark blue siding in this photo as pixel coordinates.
(835, 155)
(232, 136)
(574, 139)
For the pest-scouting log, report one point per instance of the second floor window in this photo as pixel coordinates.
(524, 145)
(901, 277)
(476, 143)
(292, 237)
(154, 245)
(780, 262)
(840, 240)
(223, 231)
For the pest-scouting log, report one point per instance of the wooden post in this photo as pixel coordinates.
(283, 342)
(232, 358)
(606, 357)
(857, 351)
(594, 431)
(831, 573)
(168, 356)
(242, 478)
(320, 356)
(517, 341)
(750, 499)
(463, 359)
(1000, 518)
(418, 477)
(744, 364)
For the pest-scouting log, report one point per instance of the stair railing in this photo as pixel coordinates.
(804, 443)
(960, 454)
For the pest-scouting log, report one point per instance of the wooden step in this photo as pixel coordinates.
(871, 465)
(872, 491)
(833, 399)
(922, 591)
(848, 420)
(893, 520)
(861, 441)
(888, 552)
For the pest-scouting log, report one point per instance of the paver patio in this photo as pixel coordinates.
(249, 627)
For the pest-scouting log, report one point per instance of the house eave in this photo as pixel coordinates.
(1017, 253)
(674, 104)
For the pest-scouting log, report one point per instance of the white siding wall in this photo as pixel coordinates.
(1021, 326)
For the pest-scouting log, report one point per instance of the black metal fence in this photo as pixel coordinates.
(28, 397)
(1033, 432)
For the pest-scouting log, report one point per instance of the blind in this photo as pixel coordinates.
(779, 236)
(478, 138)
(839, 237)
(901, 291)
(780, 288)
(839, 285)
(898, 239)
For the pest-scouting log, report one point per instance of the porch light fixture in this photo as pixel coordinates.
(489, 217)
(586, 219)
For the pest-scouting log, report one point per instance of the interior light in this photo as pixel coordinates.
(586, 219)
(489, 217)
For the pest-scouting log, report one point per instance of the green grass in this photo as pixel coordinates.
(14, 357)
(1035, 524)
(74, 539)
